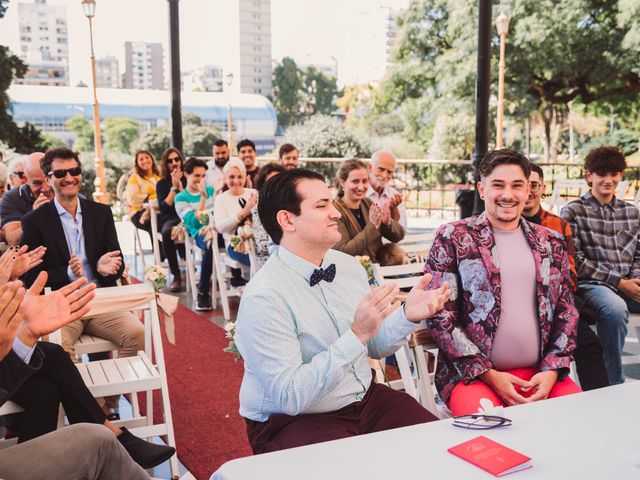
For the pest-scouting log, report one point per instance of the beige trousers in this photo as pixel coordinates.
(122, 328)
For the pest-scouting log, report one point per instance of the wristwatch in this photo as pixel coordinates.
(174, 189)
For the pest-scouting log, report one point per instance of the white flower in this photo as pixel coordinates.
(462, 343)
(152, 276)
(483, 303)
(473, 274)
(229, 326)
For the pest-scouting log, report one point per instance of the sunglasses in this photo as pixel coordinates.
(19, 174)
(74, 172)
(173, 160)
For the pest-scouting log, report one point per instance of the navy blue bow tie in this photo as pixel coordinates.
(327, 274)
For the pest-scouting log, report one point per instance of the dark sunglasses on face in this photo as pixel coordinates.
(173, 160)
(19, 174)
(74, 172)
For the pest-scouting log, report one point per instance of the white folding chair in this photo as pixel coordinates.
(221, 264)
(634, 325)
(193, 257)
(9, 408)
(134, 374)
(563, 188)
(405, 276)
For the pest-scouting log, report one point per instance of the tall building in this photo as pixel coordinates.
(393, 31)
(246, 33)
(207, 78)
(44, 43)
(144, 66)
(107, 72)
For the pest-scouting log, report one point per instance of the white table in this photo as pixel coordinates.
(592, 435)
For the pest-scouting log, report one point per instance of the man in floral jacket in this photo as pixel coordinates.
(509, 329)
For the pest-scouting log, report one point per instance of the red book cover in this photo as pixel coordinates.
(491, 456)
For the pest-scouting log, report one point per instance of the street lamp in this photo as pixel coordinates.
(100, 194)
(229, 81)
(502, 25)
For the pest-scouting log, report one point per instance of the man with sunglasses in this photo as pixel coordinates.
(19, 201)
(80, 237)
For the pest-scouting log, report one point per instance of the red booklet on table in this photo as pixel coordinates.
(491, 456)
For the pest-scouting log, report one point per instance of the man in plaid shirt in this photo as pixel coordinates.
(605, 231)
(588, 353)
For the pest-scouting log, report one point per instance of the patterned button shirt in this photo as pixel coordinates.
(605, 238)
(300, 354)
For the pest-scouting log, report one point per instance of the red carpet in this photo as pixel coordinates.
(204, 383)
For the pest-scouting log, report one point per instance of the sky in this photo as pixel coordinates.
(350, 31)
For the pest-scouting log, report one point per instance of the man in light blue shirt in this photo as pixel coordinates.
(305, 332)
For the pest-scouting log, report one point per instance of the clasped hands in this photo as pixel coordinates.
(108, 264)
(379, 303)
(509, 387)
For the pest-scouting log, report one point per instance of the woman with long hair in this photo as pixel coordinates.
(141, 188)
(172, 182)
(363, 223)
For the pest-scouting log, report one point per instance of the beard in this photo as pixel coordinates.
(221, 162)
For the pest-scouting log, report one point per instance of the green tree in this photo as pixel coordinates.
(320, 92)
(120, 133)
(287, 92)
(557, 52)
(83, 129)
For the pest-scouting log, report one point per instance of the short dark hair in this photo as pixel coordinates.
(265, 171)
(281, 193)
(61, 153)
(220, 143)
(504, 157)
(246, 143)
(286, 148)
(538, 169)
(193, 163)
(605, 159)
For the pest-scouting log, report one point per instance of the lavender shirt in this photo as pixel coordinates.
(517, 340)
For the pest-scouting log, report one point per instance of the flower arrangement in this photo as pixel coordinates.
(203, 217)
(156, 276)
(365, 261)
(230, 329)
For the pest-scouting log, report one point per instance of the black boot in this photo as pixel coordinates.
(145, 454)
(236, 278)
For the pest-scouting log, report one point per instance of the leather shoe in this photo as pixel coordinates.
(176, 285)
(145, 454)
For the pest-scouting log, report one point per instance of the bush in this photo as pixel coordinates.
(626, 140)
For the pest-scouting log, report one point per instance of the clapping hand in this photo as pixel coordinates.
(11, 314)
(109, 263)
(373, 309)
(385, 212)
(44, 314)
(252, 201)
(375, 215)
(75, 263)
(176, 177)
(422, 303)
(395, 200)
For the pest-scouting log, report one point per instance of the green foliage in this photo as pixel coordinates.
(323, 136)
(626, 140)
(120, 133)
(300, 94)
(51, 141)
(197, 138)
(287, 92)
(82, 127)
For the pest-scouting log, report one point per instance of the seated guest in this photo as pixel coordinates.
(141, 188)
(363, 223)
(588, 353)
(21, 200)
(307, 322)
(215, 175)
(247, 153)
(508, 333)
(172, 182)
(193, 205)
(381, 169)
(39, 376)
(233, 209)
(81, 241)
(17, 176)
(263, 244)
(288, 156)
(605, 234)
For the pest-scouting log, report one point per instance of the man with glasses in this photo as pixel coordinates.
(80, 237)
(18, 202)
(588, 353)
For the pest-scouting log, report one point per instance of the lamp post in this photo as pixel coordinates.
(229, 81)
(100, 193)
(502, 25)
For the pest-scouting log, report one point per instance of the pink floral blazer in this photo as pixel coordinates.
(464, 254)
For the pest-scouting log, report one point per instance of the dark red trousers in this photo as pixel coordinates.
(382, 408)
